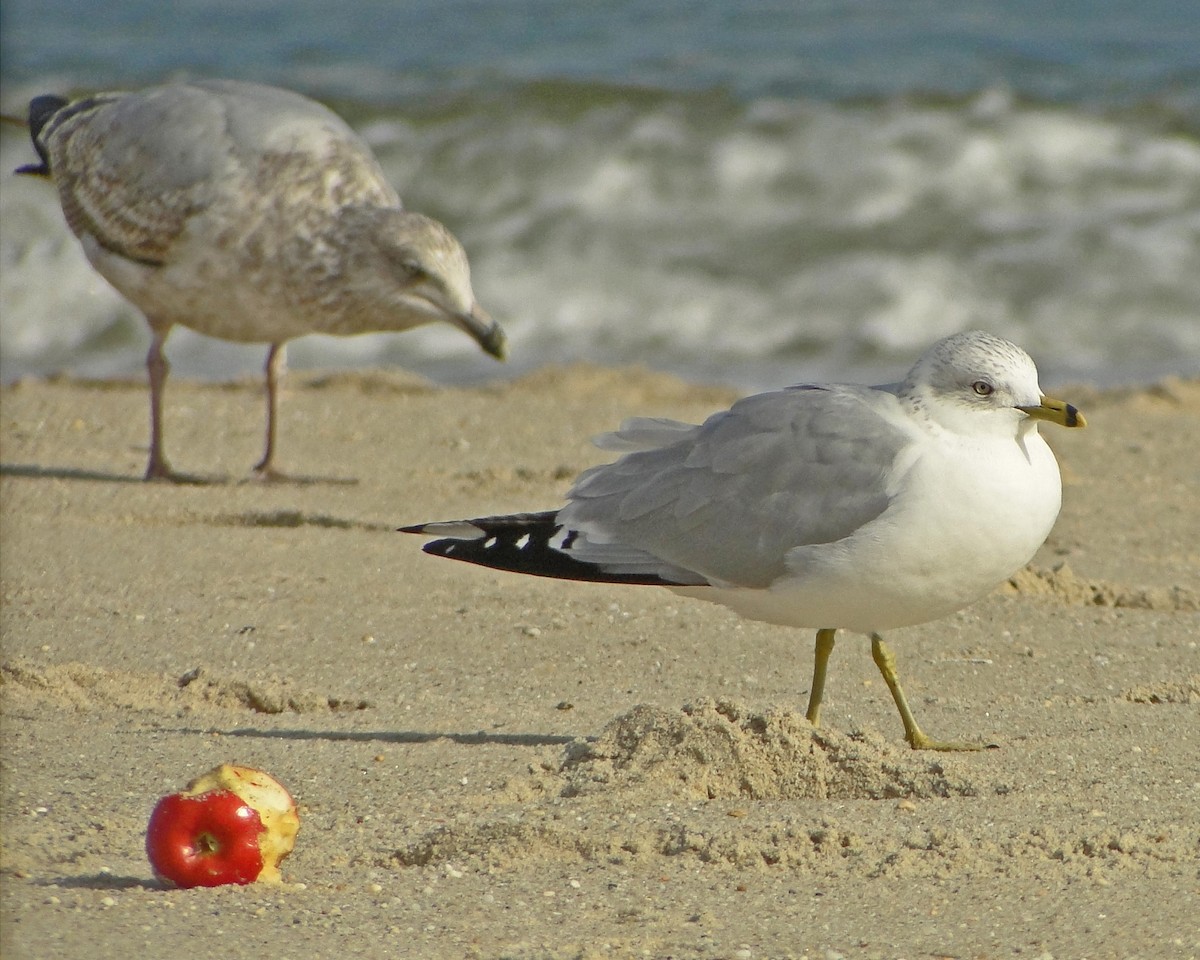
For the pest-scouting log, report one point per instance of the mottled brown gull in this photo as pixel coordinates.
(248, 213)
(824, 505)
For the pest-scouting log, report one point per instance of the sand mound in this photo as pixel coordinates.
(720, 749)
(1186, 690)
(1067, 587)
(691, 770)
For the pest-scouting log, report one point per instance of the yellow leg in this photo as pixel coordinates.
(886, 662)
(820, 665)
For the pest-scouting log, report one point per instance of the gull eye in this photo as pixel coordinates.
(982, 388)
(407, 261)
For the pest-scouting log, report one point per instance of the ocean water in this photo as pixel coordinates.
(754, 193)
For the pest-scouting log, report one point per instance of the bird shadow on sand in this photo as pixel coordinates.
(476, 738)
(296, 480)
(37, 472)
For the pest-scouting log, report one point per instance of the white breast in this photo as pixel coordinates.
(970, 512)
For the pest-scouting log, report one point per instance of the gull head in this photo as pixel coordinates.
(974, 382)
(421, 271)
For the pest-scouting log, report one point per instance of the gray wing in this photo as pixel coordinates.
(644, 433)
(728, 499)
(132, 169)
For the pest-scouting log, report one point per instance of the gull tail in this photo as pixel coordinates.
(41, 109)
(530, 543)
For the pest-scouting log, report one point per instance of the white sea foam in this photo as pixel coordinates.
(756, 243)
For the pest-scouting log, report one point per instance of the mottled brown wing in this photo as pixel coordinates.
(129, 173)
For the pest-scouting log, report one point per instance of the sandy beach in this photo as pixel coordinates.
(491, 766)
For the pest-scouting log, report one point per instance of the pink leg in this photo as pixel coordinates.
(276, 363)
(158, 368)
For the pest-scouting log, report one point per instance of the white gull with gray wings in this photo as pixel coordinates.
(823, 505)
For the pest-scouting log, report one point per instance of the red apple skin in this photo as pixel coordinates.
(206, 840)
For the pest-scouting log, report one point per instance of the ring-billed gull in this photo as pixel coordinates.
(248, 213)
(822, 505)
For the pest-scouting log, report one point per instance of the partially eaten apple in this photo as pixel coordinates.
(231, 825)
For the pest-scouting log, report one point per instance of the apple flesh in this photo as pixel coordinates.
(231, 825)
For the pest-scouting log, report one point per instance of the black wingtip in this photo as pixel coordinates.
(41, 109)
(523, 543)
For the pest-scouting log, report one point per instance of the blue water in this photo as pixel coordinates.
(1100, 52)
(749, 192)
